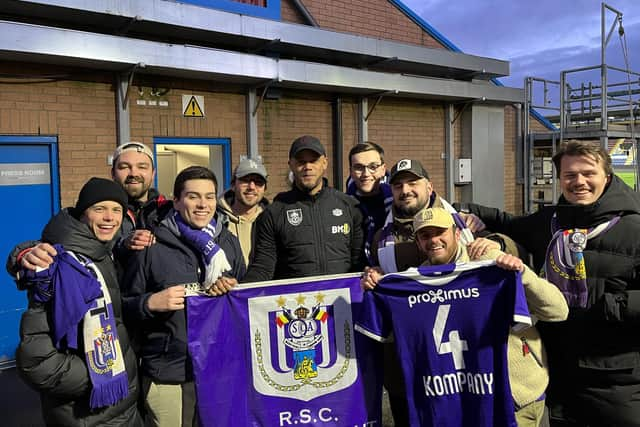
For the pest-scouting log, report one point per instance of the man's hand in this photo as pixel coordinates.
(170, 299)
(370, 277)
(139, 239)
(222, 286)
(474, 223)
(40, 256)
(510, 262)
(481, 246)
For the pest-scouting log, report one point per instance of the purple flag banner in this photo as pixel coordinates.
(284, 353)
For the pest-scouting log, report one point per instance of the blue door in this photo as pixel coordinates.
(30, 194)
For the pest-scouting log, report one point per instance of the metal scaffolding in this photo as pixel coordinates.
(604, 110)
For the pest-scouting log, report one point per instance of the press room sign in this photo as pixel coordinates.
(24, 173)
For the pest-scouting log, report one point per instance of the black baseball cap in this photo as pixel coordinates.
(306, 142)
(413, 167)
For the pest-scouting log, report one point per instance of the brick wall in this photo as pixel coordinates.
(282, 121)
(411, 129)
(536, 126)
(81, 114)
(289, 13)
(512, 190)
(373, 18)
(403, 128)
(224, 117)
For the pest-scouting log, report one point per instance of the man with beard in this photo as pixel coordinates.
(438, 238)
(587, 246)
(394, 249)
(310, 230)
(134, 170)
(74, 348)
(239, 207)
(192, 249)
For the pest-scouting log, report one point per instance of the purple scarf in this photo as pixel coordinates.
(78, 295)
(564, 264)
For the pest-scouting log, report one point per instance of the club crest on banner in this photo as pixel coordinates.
(294, 216)
(302, 344)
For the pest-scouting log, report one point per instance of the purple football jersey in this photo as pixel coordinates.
(450, 325)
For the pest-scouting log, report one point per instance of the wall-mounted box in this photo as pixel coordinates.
(463, 171)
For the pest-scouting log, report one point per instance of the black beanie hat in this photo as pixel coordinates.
(98, 190)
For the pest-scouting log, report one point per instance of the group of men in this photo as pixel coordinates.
(166, 249)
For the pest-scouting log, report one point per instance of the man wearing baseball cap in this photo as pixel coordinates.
(240, 206)
(133, 169)
(439, 241)
(310, 230)
(394, 249)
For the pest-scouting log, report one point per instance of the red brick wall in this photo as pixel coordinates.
(289, 13)
(349, 133)
(373, 18)
(536, 126)
(282, 121)
(404, 129)
(512, 191)
(411, 129)
(81, 114)
(224, 118)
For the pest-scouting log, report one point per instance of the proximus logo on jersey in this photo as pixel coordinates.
(442, 295)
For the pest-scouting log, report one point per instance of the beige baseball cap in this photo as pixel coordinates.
(432, 217)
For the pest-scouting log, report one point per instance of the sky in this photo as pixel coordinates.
(539, 38)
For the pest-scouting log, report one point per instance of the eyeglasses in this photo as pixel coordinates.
(371, 167)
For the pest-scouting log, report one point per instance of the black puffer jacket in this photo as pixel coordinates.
(62, 377)
(168, 262)
(299, 235)
(602, 339)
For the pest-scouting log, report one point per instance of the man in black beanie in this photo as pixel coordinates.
(74, 348)
(133, 169)
(97, 190)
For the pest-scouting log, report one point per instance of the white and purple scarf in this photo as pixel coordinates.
(387, 240)
(78, 293)
(204, 240)
(564, 264)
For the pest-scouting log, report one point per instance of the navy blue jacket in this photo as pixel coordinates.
(162, 337)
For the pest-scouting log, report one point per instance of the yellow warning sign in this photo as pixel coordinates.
(192, 106)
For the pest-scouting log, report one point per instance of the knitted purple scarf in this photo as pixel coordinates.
(78, 297)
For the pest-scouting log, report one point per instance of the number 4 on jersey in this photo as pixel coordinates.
(455, 346)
